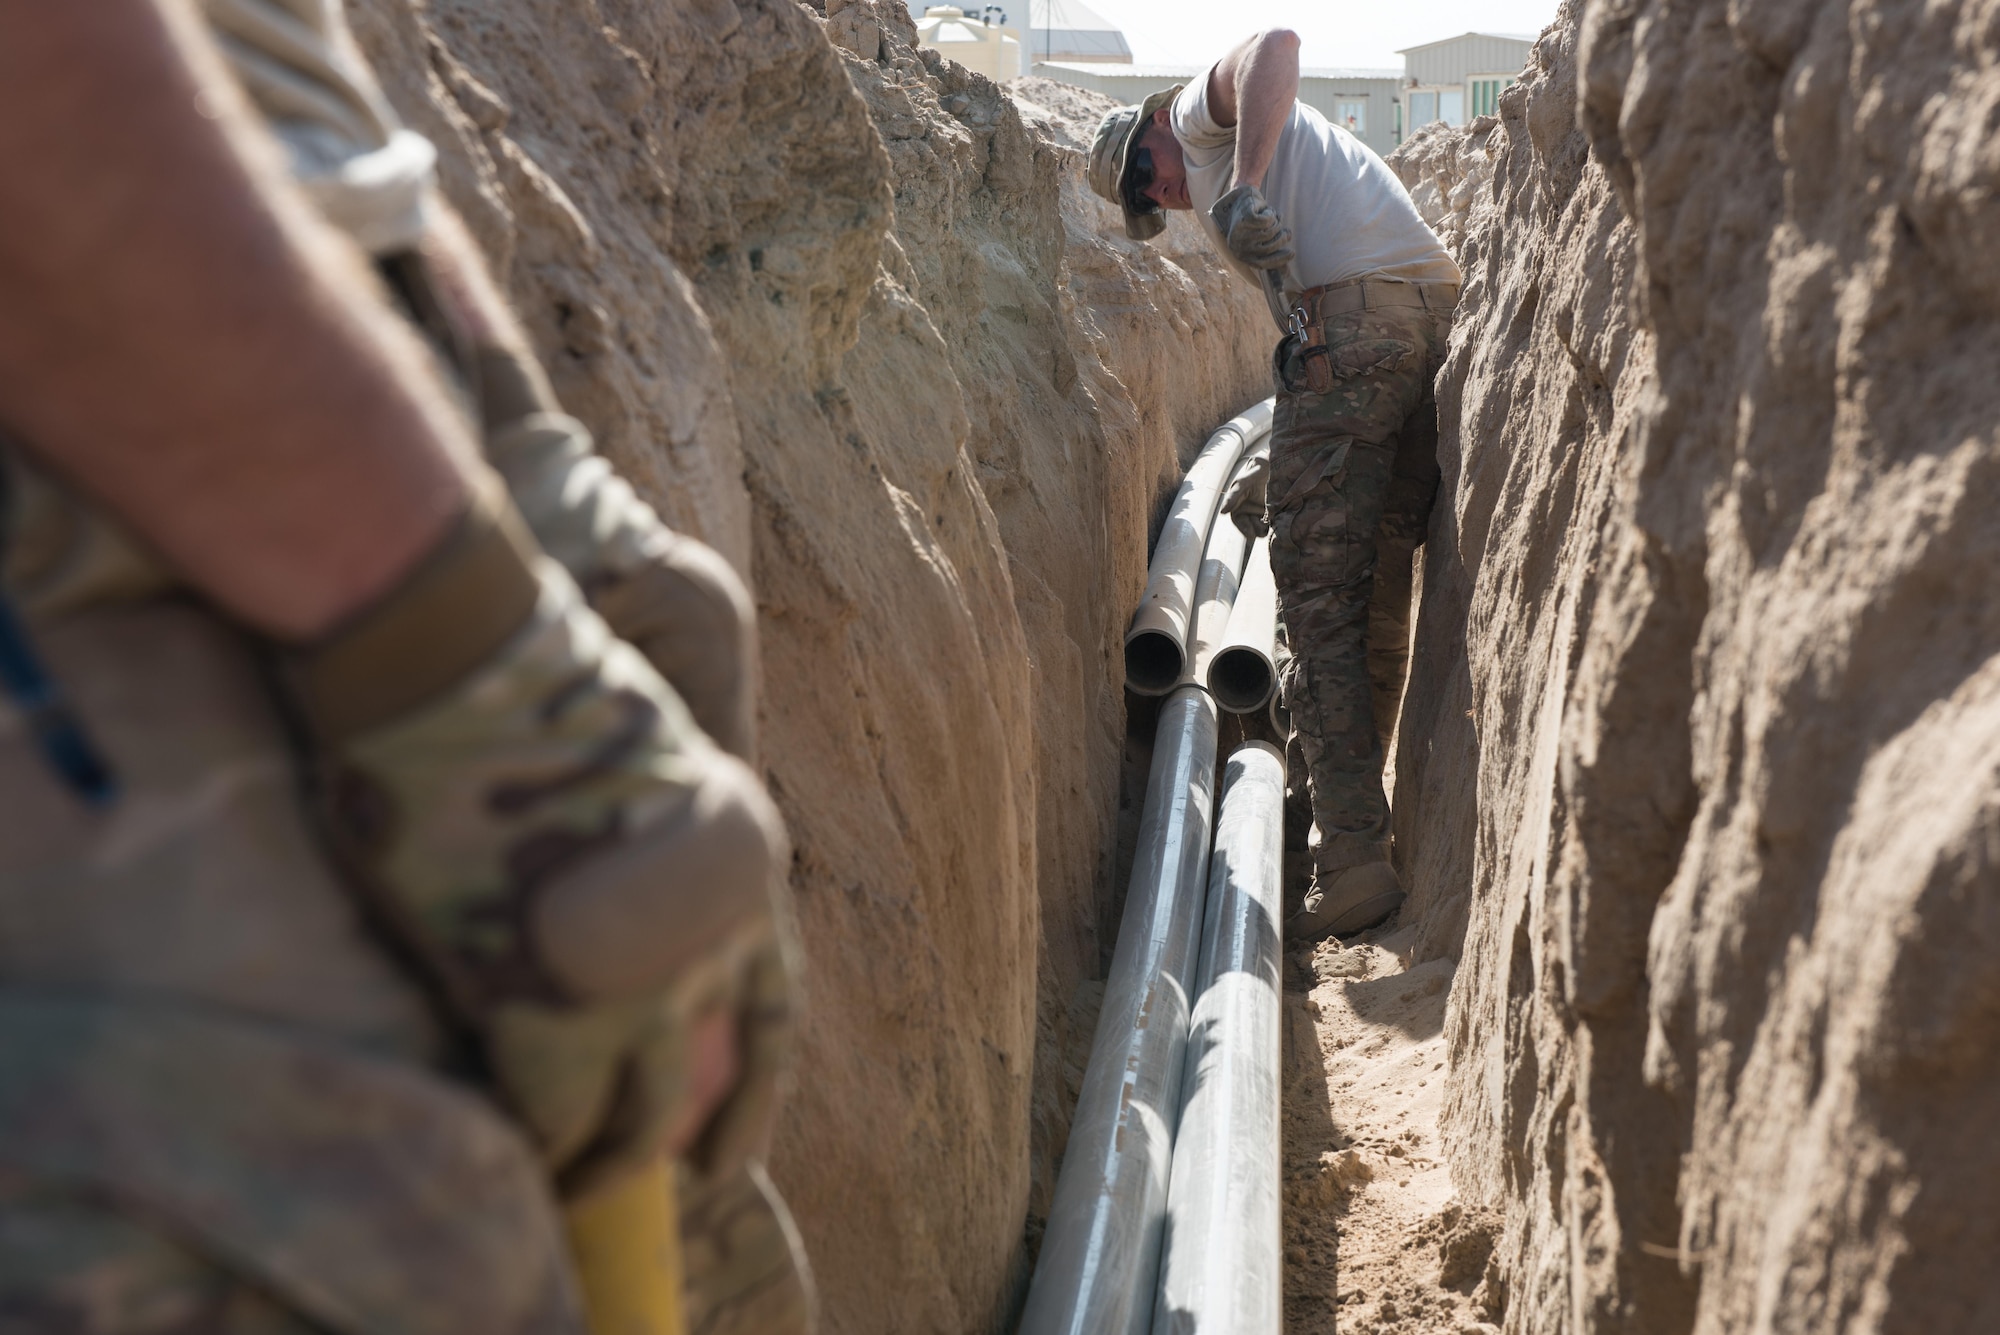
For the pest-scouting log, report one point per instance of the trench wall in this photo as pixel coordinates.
(1697, 773)
(851, 316)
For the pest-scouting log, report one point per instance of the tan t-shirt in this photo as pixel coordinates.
(369, 176)
(1350, 217)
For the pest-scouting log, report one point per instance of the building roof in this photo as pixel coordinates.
(1347, 72)
(1123, 71)
(1492, 36)
(1189, 71)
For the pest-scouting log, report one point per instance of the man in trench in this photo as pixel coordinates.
(1364, 291)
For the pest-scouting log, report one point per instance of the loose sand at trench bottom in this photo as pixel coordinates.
(1373, 1238)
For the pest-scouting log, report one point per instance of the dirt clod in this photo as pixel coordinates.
(1467, 1245)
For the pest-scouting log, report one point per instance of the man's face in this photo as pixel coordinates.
(1168, 188)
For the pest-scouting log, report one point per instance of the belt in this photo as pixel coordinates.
(1306, 321)
(1367, 294)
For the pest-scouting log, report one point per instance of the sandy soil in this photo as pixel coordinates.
(1373, 1238)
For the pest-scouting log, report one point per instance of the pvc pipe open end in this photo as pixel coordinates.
(1153, 662)
(1242, 680)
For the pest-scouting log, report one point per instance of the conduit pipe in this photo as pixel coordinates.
(1214, 597)
(1243, 671)
(1156, 643)
(1220, 1272)
(1099, 1263)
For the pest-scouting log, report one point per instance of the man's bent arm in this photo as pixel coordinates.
(1253, 88)
(185, 342)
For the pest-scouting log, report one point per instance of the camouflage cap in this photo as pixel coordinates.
(1111, 157)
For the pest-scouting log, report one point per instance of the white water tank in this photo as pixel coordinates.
(979, 40)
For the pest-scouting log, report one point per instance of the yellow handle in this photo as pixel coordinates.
(626, 1243)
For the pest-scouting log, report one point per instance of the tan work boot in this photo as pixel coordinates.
(1352, 900)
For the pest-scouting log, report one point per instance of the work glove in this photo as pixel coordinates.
(745, 1265)
(1250, 230)
(678, 602)
(531, 810)
(1243, 498)
(673, 597)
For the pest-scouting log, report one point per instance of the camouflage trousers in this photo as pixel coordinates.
(1353, 474)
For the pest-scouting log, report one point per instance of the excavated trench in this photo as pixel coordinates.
(1689, 1024)
(1211, 1058)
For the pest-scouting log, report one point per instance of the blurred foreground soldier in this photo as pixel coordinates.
(240, 1091)
(672, 597)
(1364, 291)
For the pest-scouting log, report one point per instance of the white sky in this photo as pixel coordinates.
(1332, 32)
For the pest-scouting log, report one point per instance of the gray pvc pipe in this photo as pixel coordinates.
(1243, 669)
(1100, 1256)
(1215, 594)
(1220, 1271)
(1156, 643)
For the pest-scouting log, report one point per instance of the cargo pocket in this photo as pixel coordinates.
(1309, 537)
(1327, 461)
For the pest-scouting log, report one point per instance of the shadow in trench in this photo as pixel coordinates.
(1314, 1201)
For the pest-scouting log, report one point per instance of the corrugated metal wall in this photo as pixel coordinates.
(1323, 95)
(1321, 92)
(1447, 64)
(1452, 62)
